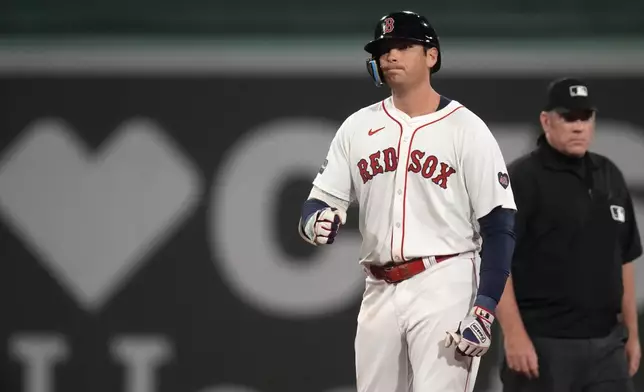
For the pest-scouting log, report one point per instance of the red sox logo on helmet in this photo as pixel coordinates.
(389, 25)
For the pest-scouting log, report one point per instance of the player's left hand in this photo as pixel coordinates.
(474, 334)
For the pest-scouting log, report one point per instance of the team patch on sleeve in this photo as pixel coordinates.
(504, 180)
(326, 161)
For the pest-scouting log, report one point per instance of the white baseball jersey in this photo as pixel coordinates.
(420, 183)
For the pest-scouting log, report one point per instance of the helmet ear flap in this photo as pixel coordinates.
(373, 67)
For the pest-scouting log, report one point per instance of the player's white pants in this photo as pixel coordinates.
(401, 330)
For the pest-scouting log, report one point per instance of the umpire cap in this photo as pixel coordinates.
(406, 26)
(569, 94)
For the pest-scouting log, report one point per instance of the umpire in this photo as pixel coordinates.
(568, 313)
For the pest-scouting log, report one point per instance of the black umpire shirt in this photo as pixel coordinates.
(575, 228)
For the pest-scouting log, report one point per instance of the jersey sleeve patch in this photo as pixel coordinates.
(326, 162)
(504, 179)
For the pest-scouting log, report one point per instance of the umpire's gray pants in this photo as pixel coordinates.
(576, 365)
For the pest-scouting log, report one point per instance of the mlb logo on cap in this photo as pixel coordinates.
(578, 91)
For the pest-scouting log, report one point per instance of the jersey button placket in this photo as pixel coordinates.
(398, 218)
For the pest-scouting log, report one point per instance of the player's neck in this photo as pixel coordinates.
(416, 101)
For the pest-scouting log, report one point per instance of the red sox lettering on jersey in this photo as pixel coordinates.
(425, 165)
(420, 182)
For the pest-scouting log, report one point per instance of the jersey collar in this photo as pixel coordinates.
(398, 114)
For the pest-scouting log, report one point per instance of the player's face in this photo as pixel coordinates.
(406, 64)
(571, 132)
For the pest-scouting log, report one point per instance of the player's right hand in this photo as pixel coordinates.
(327, 223)
(521, 355)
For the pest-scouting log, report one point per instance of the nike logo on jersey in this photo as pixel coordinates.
(374, 131)
(426, 165)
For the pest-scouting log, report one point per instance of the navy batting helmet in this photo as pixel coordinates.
(401, 26)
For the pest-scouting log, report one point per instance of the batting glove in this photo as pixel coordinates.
(474, 333)
(323, 227)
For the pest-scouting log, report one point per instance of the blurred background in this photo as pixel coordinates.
(154, 156)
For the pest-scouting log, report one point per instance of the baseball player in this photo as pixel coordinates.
(432, 187)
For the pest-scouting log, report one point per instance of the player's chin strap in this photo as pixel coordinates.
(375, 72)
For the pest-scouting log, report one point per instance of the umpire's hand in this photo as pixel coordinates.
(633, 354)
(521, 355)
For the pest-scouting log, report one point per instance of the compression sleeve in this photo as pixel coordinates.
(497, 231)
